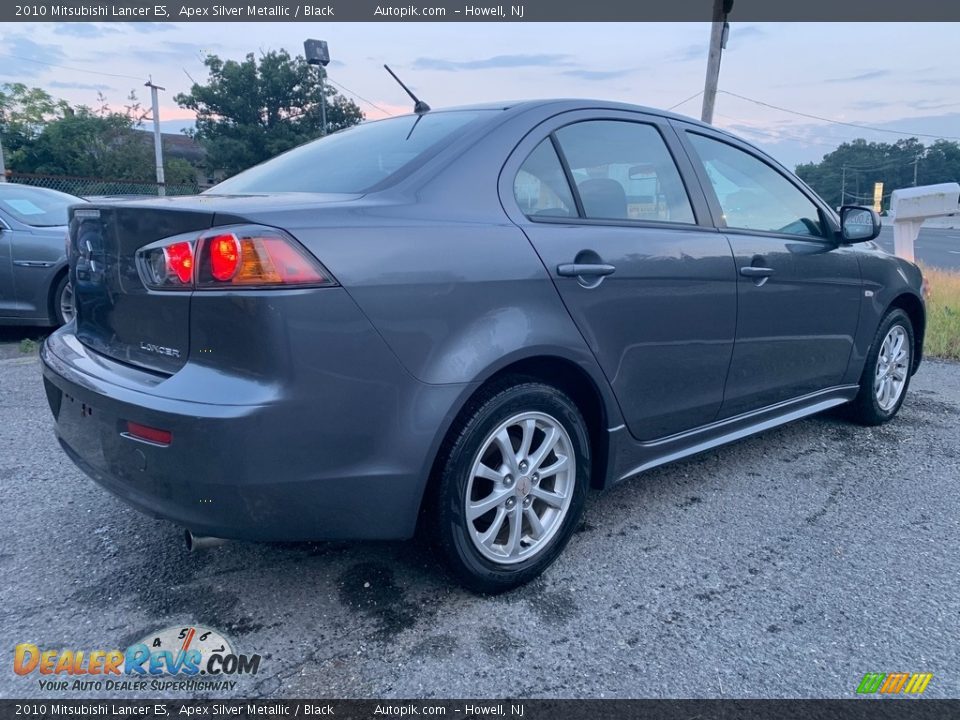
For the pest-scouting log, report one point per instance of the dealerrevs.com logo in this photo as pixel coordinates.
(191, 658)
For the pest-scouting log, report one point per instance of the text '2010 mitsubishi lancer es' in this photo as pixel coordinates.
(462, 320)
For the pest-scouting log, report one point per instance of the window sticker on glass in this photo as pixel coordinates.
(23, 207)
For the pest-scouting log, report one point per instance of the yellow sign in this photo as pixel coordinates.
(877, 196)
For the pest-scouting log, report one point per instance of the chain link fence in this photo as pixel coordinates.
(95, 187)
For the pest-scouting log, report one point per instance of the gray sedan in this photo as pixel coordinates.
(34, 288)
(462, 320)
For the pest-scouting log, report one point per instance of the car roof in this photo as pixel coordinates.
(566, 104)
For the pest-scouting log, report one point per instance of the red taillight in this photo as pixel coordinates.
(224, 256)
(144, 432)
(179, 258)
(248, 256)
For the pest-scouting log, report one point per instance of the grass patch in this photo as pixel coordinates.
(943, 314)
(27, 346)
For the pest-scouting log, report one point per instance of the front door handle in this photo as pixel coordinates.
(756, 272)
(585, 270)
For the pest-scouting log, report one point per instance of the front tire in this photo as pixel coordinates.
(886, 373)
(513, 482)
(63, 302)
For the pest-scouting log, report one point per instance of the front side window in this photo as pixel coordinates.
(752, 194)
(624, 171)
(541, 188)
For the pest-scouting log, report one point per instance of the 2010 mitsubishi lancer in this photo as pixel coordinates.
(464, 319)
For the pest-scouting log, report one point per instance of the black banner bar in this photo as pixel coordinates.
(483, 11)
(853, 709)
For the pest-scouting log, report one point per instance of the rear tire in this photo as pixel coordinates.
(886, 373)
(497, 517)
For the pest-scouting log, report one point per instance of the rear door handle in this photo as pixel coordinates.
(585, 270)
(756, 272)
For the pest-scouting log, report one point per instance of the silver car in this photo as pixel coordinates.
(462, 320)
(34, 288)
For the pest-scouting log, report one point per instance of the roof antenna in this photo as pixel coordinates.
(419, 107)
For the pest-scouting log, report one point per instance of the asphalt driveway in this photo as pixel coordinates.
(787, 565)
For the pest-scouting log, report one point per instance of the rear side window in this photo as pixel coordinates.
(624, 171)
(541, 187)
(356, 159)
(752, 194)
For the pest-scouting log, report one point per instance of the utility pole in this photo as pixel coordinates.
(916, 161)
(157, 137)
(719, 31)
(3, 168)
(317, 52)
(843, 185)
(323, 101)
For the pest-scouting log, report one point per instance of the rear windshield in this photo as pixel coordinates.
(37, 207)
(356, 159)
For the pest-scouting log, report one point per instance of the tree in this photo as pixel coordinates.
(44, 135)
(24, 112)
(847, 175)
(251, 110)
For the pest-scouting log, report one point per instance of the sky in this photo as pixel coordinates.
(891, 76)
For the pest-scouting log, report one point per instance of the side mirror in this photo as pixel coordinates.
(858, 224)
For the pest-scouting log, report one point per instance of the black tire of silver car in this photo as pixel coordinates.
(62, 301)
(887, 371)
(513, 480)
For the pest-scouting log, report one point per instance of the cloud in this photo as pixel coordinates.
(690, 52)
(173, 51)
(491, 63)
(868, 75)
(84, 29)
(597, 75)
(29, 57)
(741, 32)
(870, 104)
(60, 85)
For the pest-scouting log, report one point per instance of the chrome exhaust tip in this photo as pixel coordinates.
(195, 543)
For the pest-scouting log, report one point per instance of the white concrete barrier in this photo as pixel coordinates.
(911, 206)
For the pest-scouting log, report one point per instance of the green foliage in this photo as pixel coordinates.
(249, 111)
(44, 135)
(24, 112)
(847, 175)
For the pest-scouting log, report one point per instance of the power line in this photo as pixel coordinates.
(359, 97)
(838, 122)
(684, 102)
(66, 67)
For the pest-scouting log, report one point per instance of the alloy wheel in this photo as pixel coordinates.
(893, 366)
(520, 487)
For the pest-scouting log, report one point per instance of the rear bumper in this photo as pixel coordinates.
(333, 456)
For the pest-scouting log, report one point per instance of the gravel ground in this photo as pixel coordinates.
(786, 565)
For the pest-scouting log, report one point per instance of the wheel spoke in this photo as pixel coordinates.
(536, 527)
(549, 442)
(561, 464)
(516, 521)
(491, 533)
(529, 427)
(482, 507)
(506, 449)
(550, 498)
(488, 473)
